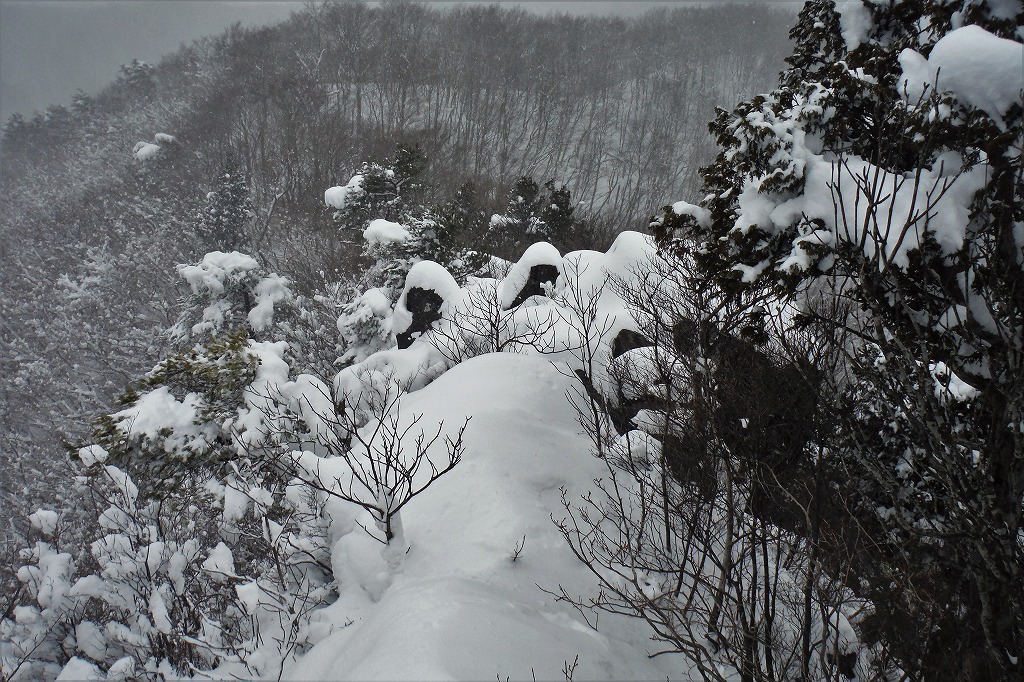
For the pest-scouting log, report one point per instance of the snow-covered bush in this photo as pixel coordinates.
(678, 531)
(231, 291)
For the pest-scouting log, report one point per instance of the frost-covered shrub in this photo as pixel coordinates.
(211, 574)
(202, 553)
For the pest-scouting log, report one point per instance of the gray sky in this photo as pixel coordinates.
(50, 48)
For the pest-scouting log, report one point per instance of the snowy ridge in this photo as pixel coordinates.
(456, 606)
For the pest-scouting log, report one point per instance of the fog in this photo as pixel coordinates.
(51, 48)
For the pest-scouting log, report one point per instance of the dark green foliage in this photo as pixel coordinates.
(214, 376)
(393, 190)
(387, 189)
(535, 213)
(136, 77)
(936, 479)
(223, 222)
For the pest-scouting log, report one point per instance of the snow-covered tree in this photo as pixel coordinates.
(880, 189)
(383, 189)
(535, 213)
(228, 211)
(382, 201)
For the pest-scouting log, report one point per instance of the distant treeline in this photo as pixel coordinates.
(615, 108)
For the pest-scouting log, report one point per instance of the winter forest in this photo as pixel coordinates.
(407, 341)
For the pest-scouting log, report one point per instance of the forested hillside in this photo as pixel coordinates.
(613, 109)
(362, 374)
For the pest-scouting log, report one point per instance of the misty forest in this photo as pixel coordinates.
(400, 341)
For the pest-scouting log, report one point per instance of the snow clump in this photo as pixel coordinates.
(385, 232)
(340, 197)
(147, 151)
(980, 69)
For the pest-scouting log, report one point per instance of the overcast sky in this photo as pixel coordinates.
(50, 48)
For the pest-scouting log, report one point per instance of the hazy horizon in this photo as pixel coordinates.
(51, 48)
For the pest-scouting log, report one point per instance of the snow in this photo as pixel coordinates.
(90, 640)
(385, 232)
(45, 521)
(270, 290)
(948, 384)
(81, 669)
(250, 427)
(541, 253)
(236, 502)
(145, 151)
(50, 575)
(698, 213)
(339, 197)
(215, 268)
(892, 223)
(158, 410)
(92, 454)
(220, 564)
(1004, 9)
(426, 275)
(456, 606)
(158, 609)
(980, 69)
(377, 301)
(854, 22)
(383, 373)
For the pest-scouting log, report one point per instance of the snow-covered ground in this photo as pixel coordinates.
(456, 606)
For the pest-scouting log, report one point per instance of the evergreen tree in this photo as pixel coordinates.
(222, 223)
(382, 189)
(880, 189)
(535, 213)
(385, 202)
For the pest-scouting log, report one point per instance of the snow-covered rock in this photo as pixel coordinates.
(540, 265)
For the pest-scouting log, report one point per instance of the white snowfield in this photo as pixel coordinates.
(455, 606)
